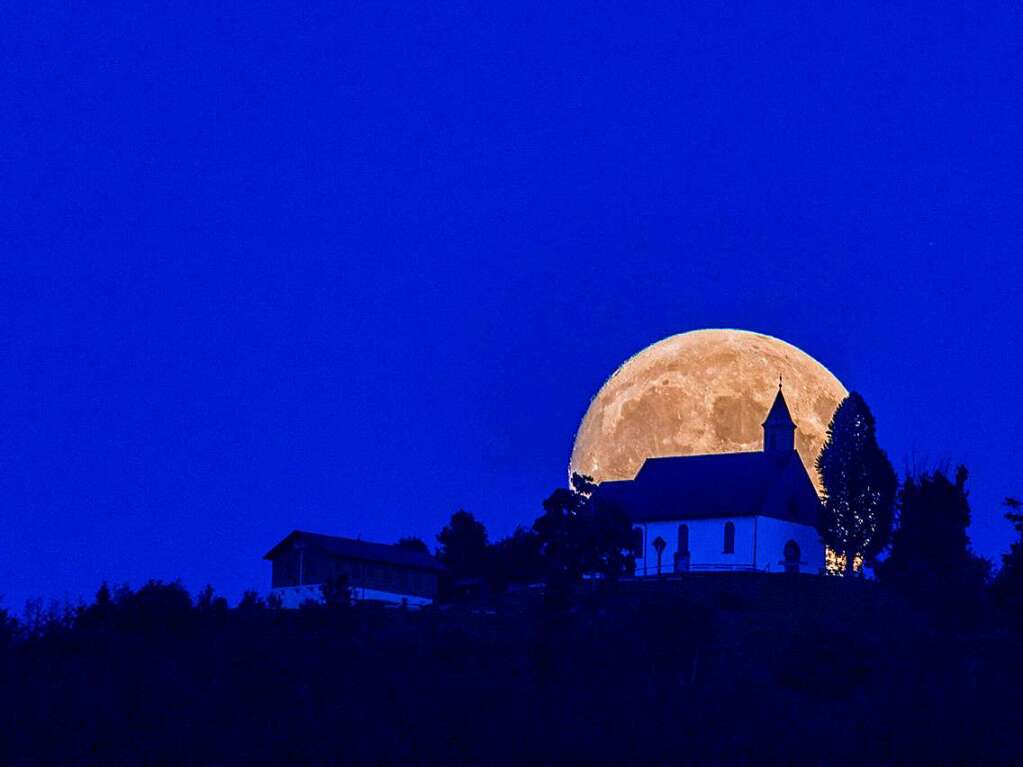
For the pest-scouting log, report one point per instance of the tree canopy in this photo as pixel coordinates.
(463, 546)
(581, 534)
(859, 485)
(930, 554)
(516, 559)
(412, 543)
(1008, 586)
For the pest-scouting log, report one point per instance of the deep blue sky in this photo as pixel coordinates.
(348, 267)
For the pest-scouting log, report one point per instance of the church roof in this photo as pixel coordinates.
(720, 485)
(779, 412)
(351, 548)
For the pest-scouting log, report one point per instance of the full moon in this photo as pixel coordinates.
(707, 391)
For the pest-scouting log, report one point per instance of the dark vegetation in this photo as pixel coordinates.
(709, 669)
(559, 659)
(859, 486)
(575, 536)
(1008, 586)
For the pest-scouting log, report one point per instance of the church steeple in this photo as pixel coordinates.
(779, 428)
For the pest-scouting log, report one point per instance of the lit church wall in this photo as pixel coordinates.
(773, 534)
(707, 545)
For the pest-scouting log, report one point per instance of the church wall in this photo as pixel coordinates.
(773, 534)
(706, 545)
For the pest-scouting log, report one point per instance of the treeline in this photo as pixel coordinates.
(576, 535)
(913, 534)
(922, 663)
(720, 669)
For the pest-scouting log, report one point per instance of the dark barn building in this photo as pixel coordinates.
(302, 562)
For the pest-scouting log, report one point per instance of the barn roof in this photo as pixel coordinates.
(721, 485)
(351, 548)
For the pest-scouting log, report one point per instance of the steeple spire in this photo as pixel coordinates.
(779, 428)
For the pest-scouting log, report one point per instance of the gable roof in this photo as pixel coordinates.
(351, 548)
(718, 485)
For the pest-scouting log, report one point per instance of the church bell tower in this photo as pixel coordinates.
(779, 428)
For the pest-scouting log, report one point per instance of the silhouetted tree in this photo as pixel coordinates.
(47, 619)
(8, 628)
(463, 546)
(560, 531)
(251, 601)
(516, 559)
(1008, 585)
(156, 608)
(412, 543)
(100, 612)
(207, 603)
(859, 485)
(581, 534)
(611, 540)
(930, 554)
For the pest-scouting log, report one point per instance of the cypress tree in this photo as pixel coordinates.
(859, 485)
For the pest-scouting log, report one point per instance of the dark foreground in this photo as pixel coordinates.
(711, 670)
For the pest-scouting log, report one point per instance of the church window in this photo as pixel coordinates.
(683, 539)
(729, 538)
(682, 550)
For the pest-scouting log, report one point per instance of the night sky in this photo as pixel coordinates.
(349, 267)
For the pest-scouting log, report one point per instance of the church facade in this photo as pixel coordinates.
(754, 512)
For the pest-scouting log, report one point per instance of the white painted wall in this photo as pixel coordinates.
(773, 534)
(706, 545)
(293, 596)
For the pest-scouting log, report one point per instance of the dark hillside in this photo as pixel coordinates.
(712, 669)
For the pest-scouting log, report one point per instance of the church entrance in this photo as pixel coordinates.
(792, 557)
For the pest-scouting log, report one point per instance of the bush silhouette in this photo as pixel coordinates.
(930, 557)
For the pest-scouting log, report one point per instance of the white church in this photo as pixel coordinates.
(753, 512)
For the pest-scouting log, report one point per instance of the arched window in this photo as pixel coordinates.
(792, 554)
(637, 542)
(683, 539)
(682, 550)
(729, 538)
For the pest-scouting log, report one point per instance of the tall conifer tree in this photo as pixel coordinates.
(859, 485)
